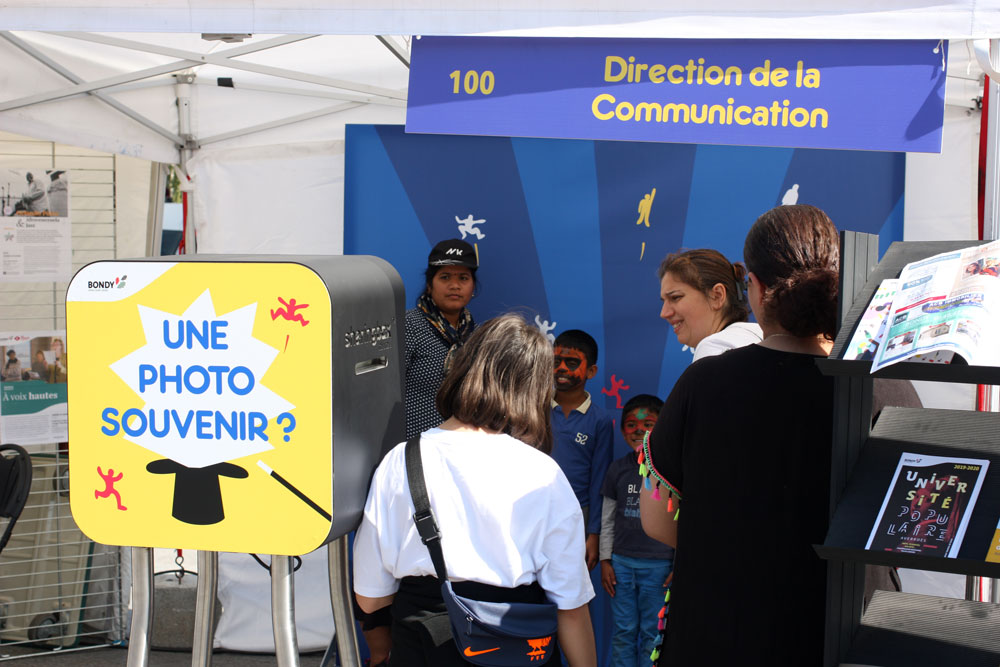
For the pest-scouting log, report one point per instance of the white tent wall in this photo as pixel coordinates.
(270, 200)
(281, 198)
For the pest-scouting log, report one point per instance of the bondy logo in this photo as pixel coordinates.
(104, 285)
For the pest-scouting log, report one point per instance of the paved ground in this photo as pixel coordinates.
(113, 657)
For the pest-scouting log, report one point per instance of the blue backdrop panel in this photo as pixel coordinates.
(562, 234)
(632, 252)
(550, 171)
(572, 232)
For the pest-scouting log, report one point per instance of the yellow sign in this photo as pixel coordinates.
(200, 406)
(993, 556)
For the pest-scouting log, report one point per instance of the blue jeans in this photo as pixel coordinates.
(635, 608)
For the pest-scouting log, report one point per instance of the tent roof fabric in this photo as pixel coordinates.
(152, 79)
(810, 19)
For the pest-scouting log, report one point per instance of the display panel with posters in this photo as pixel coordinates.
(33, 387)
(35, 239)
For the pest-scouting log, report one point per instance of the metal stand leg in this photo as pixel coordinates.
(286, 645)
(204, 611)
(142, 607)
(982, 589)
(340, 600)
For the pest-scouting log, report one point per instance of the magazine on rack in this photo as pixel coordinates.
(940, 306)
(927, 507)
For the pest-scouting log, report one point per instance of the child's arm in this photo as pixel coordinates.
(608, 579)
(599, 462)
(607, 527)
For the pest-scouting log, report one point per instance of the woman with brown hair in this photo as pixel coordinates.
(511, 527)
(705, 303)
(740, 462)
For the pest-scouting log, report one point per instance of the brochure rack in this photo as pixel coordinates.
(898, 628)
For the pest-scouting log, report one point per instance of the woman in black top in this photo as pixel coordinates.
(741, 455)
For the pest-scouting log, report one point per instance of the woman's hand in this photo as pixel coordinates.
(608, 579)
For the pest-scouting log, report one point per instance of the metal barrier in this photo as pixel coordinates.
(58, 589)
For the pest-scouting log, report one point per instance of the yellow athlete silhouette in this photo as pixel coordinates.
(644, 207)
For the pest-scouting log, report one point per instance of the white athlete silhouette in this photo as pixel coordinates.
(545, 328)
(468, 226)
(791, 197)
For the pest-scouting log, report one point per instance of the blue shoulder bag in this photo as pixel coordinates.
(492, 634)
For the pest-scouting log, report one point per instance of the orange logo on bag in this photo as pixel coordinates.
(538, 651)
(469, 652)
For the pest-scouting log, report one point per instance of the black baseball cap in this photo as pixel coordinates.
(453, 252)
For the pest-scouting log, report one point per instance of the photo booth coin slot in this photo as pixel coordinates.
(376, 364)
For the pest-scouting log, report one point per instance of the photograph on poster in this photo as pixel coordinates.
(33, 387)
(34, 192)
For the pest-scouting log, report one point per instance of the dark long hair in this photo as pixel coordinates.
(501, 380)
(795, 253)
(703, 269)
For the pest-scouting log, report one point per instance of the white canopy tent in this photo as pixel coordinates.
(782, 19)
(259, 123)
(251, 96)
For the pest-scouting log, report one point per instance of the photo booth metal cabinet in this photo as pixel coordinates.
(900, 628)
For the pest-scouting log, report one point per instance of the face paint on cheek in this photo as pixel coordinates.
(564, 359)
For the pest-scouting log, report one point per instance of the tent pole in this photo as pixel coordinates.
(73, 78)
(988, 54)
(154, 219)
(183, 92)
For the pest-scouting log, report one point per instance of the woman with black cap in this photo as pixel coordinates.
(436, 328)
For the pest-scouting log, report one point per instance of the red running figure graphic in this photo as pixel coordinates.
(288, 312)
(616, 388)
(110, 478)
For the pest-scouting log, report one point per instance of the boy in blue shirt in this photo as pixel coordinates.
(634, 567)
(582, 434)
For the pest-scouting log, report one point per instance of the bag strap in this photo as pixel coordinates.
(423, 516)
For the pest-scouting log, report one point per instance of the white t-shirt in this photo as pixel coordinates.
(736, 334)
(506, 513)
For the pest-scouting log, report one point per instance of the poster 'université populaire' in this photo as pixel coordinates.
(927, 507)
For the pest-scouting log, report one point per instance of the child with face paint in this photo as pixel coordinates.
(634, 567)
(581, 431)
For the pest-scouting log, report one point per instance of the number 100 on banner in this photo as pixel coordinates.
(875, 95)
(471, 82)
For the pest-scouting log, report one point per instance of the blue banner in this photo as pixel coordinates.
(868, 95)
